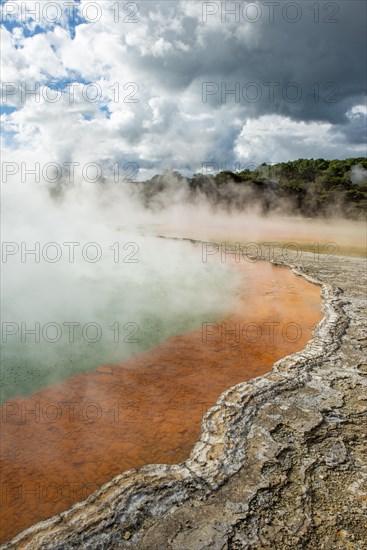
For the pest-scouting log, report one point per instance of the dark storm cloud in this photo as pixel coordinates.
(311, 71)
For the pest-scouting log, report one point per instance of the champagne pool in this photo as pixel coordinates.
(77, 413)
(72, 317)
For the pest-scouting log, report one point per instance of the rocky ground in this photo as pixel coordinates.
(281, 462)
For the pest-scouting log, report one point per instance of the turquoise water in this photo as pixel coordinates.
(61, 319)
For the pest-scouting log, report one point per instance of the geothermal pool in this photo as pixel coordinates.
(64, 436)
(63, 318)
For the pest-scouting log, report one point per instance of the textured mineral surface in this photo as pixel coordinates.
(281, 462)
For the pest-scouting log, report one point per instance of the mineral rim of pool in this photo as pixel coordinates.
(64, 441)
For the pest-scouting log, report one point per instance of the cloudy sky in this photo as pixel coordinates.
(175, 84)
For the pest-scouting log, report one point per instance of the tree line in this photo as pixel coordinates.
(311, 187)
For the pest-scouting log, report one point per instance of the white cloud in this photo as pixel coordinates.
(273, 138)
(162, 61)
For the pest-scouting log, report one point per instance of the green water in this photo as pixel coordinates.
(117, 311)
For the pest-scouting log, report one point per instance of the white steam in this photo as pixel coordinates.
(358, 174)
(141, 290)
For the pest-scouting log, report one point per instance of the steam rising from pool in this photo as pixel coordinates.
(86, 284)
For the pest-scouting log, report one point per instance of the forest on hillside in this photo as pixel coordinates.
(309, 187)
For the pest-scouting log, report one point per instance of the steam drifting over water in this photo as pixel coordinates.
(87, 282)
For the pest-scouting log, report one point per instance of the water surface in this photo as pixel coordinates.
(66, 440)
